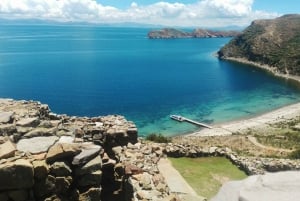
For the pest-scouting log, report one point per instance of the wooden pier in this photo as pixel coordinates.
(181, 119)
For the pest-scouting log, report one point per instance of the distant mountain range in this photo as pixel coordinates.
(168, 33)
(275, 43)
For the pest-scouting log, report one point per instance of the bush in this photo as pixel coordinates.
(295, 154)
(159, 138)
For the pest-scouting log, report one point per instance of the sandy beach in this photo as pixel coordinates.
(286, 113)
(283, 114)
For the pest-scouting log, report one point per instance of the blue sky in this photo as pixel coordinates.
(185, 13)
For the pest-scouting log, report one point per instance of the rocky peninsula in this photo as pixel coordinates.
(269, 44)
(168, 33)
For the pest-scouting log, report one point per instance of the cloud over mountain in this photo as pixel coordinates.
(201, 13)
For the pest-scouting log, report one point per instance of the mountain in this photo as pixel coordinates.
(274, 43)
(168, 33)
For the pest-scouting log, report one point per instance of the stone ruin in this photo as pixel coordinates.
(45, 156)
(50, 157)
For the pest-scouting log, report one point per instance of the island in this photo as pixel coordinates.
(169, 33)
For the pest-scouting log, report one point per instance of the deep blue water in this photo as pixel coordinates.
(92, 71)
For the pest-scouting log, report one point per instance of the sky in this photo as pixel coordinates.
(184, 13)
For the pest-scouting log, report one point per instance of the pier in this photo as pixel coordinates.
(181, 119)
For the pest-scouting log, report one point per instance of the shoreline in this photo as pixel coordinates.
(266, 67)
(285, 113)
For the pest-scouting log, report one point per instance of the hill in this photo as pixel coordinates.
(275, 43)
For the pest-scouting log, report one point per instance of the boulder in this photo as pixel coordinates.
(18, 195)
(45, 187)
(7, 129)
(86, 154)
(92, 166)
(16, 175)
(92, 179)
(28, 122)
(7, 150)
(41, 144)
(60, 169)
(145, 181)
(66, 139)
(93, 194)
(281, 186)
(62, 184)
(40, 132)
(41, 169)
(61, 151)
(4, 196)
(6, 117)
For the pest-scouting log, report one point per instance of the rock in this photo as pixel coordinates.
(40, 132)
(66, 139)
(46, 124)
(45, 187)
(41, 144)
(60, 169)
(4, 196)
(93, 194)
(117, 150)
(86, 154)
(41, 169)
(119, 170)
(131, 169)
(92, 166)
(28, 122)
(171, 198)
(16, 175)
(92, 179)
(62, 184)
(18, 195)
(7, 129)
(145, 181)
(60, 151)
(6, 117)
(281, 186)
(7, 150)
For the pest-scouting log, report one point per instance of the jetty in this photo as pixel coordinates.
(181, 119)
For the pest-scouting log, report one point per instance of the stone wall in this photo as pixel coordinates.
(44, 156)
(250, 165)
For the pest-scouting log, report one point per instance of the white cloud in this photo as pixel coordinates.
(202, 13)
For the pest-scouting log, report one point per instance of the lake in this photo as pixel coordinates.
(94, 71)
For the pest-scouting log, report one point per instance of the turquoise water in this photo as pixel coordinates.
(92, 71)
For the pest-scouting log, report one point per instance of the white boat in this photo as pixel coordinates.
(177, 118)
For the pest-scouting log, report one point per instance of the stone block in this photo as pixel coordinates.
(7, 150)
(16, 175)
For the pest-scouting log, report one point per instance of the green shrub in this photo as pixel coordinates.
(295, 154)
(159, 138)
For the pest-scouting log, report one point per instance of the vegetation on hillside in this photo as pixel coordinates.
(159, 138)
(206, 175)
(272, 42)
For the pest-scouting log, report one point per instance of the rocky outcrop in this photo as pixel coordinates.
(268, 42)
(168, 33)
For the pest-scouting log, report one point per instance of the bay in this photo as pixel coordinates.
(92, 71)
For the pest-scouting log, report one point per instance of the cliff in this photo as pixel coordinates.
(168, 33)
(275, 43)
